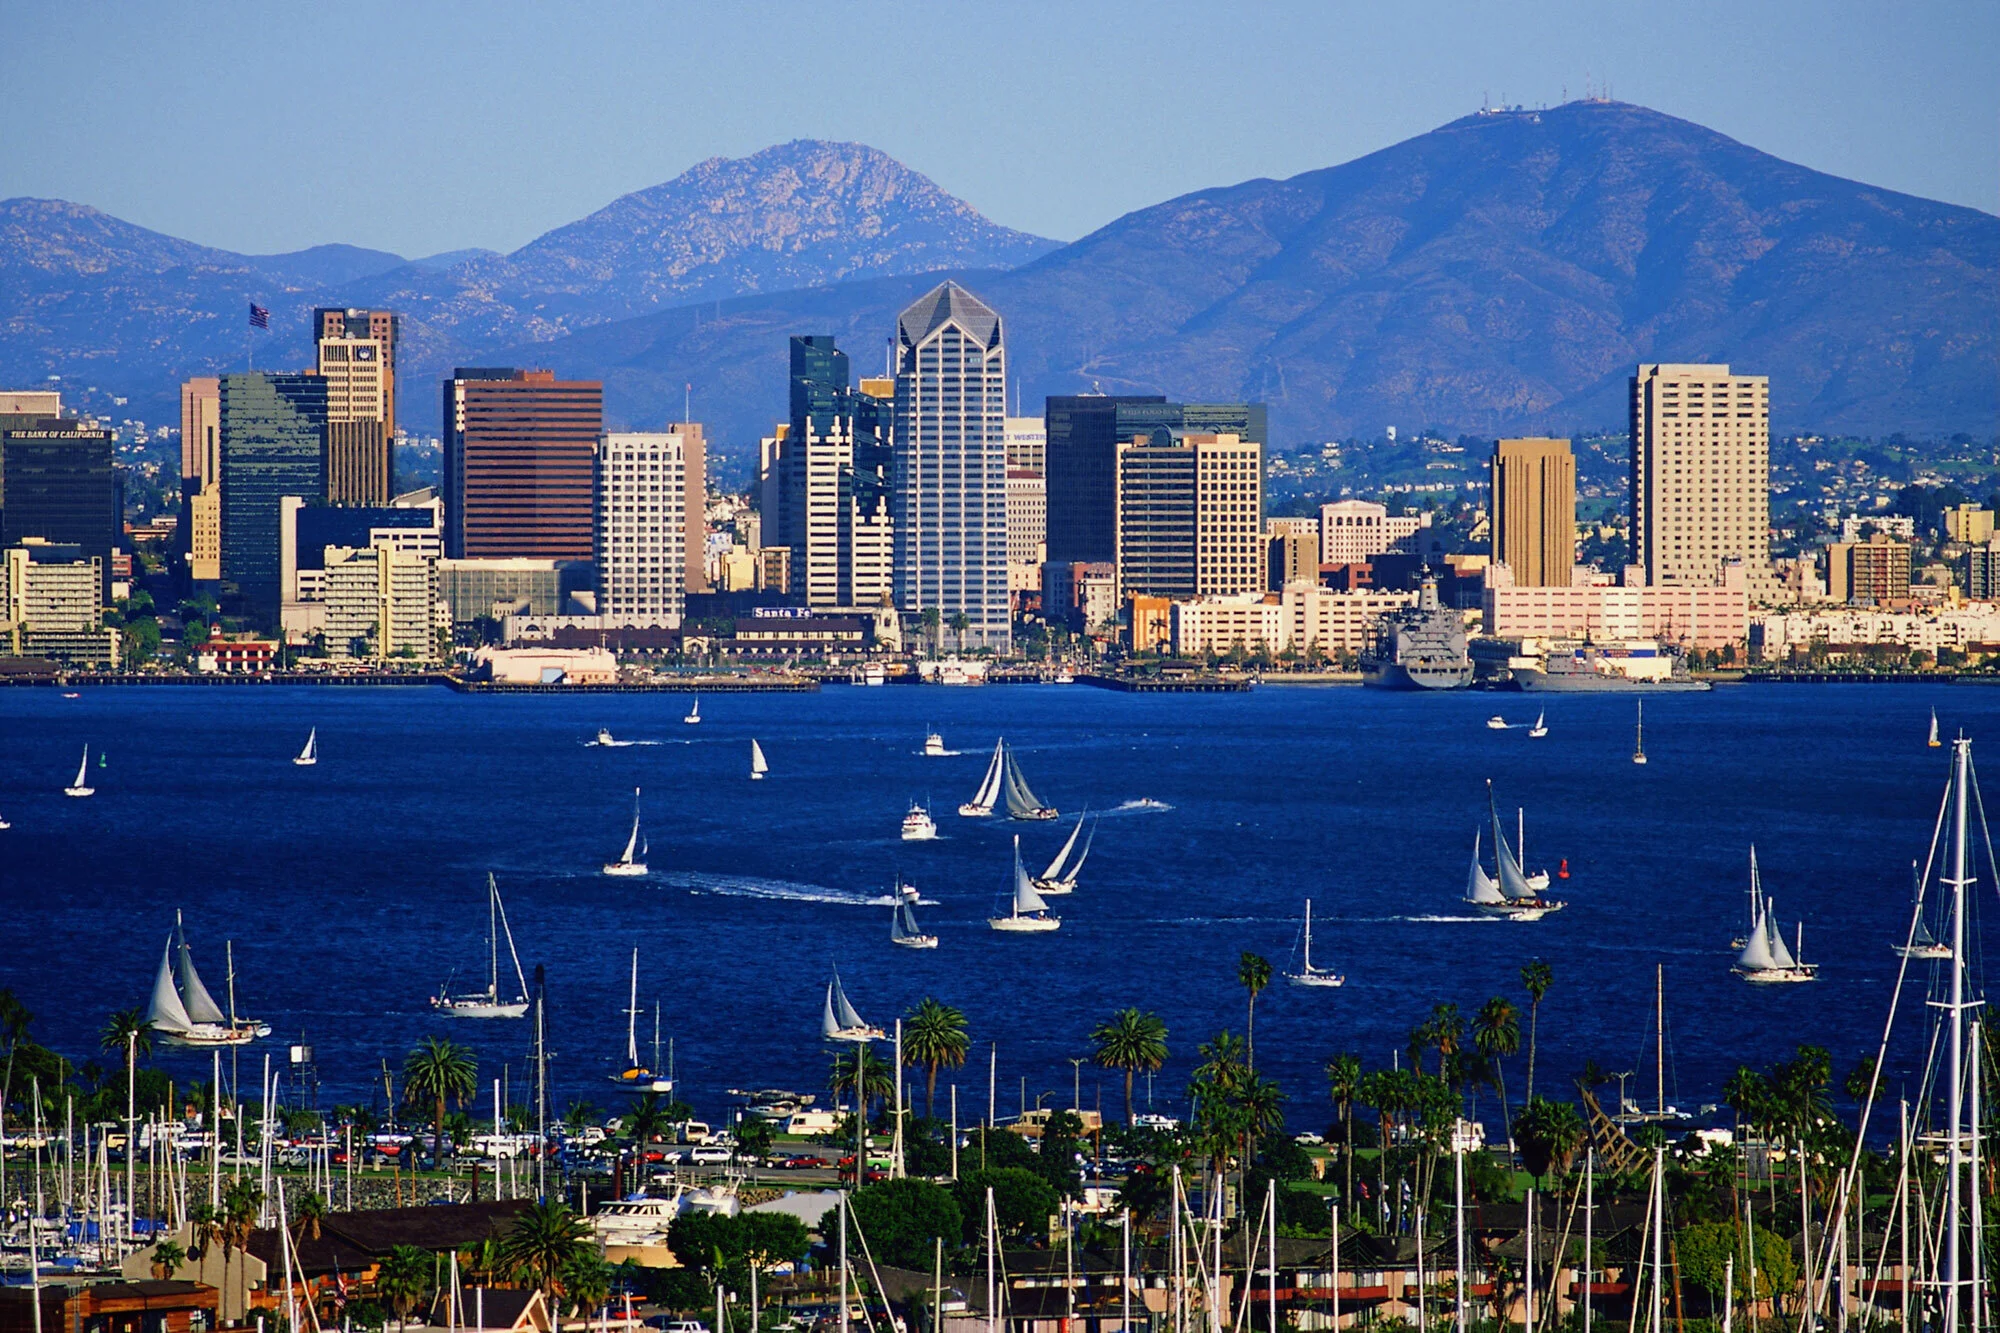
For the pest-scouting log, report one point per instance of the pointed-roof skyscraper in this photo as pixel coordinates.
(951, 464)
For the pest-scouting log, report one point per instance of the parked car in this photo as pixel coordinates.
(708, 1154)
(804, 1162)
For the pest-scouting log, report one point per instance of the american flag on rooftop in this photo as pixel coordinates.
(260, 318)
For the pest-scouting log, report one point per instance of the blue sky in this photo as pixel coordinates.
(419, 127)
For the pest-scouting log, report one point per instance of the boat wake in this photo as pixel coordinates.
(1144, 805)
(937, 754)
(1481, 919)
(779, 890)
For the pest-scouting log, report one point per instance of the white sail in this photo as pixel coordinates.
(1479, 886)
(632, 1018)
(1756, 955)
(1026, 900)
(83, 768)
(1021, 803)
(1076, 867)
(1780, 955)
(166, 1012)
(757, 765)
(195, 999)
(989, 786)
(849, 1019)
(632, 842)
(829, 1026)
(1055, 870)
(1309, 936)
(1513, 884)
(310, 753)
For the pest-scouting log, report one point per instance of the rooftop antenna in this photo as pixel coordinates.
(687, 405)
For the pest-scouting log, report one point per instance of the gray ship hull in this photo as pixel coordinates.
(1535, 681)
(1396, 676)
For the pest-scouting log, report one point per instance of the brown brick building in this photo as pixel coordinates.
(518, 457)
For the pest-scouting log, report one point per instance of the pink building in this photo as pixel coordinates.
(1687, 616)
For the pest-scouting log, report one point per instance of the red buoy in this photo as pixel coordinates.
(1562, 871)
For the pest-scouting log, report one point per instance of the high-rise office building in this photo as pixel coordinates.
(381, 602)
(1871, 573)
(357, 359)
(200, 536)
(1534, 511)
(694, 504)
(1027, 527)
(1028, 443)
(57, 483)
(1293, 544)
(1190, 515)
(519, 450)
(1700, 475)
(641, 536)
(951, 464)
(273, 446)
(1353, 532)
(1081, 440)
(825, 481)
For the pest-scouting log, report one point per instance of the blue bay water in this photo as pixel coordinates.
(353, 888)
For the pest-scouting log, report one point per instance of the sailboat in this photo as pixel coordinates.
(631, 861)
(636, 1077)
(758, 768)
(82, 771)
(1314, 976)
(988, 795)
(184, 1012)
(4, 824)
(903, 928)
(1541, 727)
(1934, 743)
(1509, 892)
(694, 714)
(840, 1022)
(1022, 803)
(487, 1003)
(1922, 943)
(1764, 959)
(1027, 913)
(1060, 877)
(309, 756)
(1639, 744)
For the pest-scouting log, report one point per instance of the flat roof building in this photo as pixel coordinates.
(1700, 475)
(57, 483)
(1534, 510)
(518, 463)
(273, 446)
(356, 351)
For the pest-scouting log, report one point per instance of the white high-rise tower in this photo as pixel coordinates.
(951, 465)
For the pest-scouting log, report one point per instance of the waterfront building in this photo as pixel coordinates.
(1027, 526)
(950, 490)
(200, 538)
(307, 532)
(825, 479)
(382, 602)
(1838, 631)
(1190, 515)
(519, 449)
(1968, 524)
(1700, 476)
(1304, 618)
(1081, 594)
(273, 443)
(495, 588)
(356, 356)
(640, 543)
(57, 483)
(52, 604)
(1081, 439)
(1028, 444)
(1534, 510)
(1293, 546)
(1874, 572)
(1696, 617)
(1353, 532)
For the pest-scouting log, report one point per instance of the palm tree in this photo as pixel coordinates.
(1130, 1040)
(934, 1036)
(960, 623)
(647, 1120)
(167, 1256)
(875, 1079)
(1343, 1078)
(404, 1277)
(1496, 1034)
(1536, 977)
(545, 1241)
(306, 1216)
(437, 1071)
(1254, 971)
(1551, 1132)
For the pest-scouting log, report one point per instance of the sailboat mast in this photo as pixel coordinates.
(493, 939)
(632, 1018)
(1660, 1039)
(1961, 766)
(229, 952)
(1309, 936)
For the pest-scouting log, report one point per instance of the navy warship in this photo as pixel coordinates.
(1421, 647)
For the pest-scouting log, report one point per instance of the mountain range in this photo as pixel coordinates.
(1500, 274)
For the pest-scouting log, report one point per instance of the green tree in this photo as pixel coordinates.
(649, 1119)
(544, 1243)
(901, 1219)
(577, 1116)
(1254, 972)
(308, 1210)
(1704, 1250)
(1129, 1041)
(438, 1071)
(1343, 1078)
(404, 1279)
(167, 1257)
(586, 1281)
(960, 623)
(1022, 1202)
(935, 1037)
(1536, 978)
(1550, 1133)
(1496, 1034)
(931, 618)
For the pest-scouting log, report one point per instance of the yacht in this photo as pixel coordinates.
(918, 826)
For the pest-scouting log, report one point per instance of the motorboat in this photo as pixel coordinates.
(918, 826)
